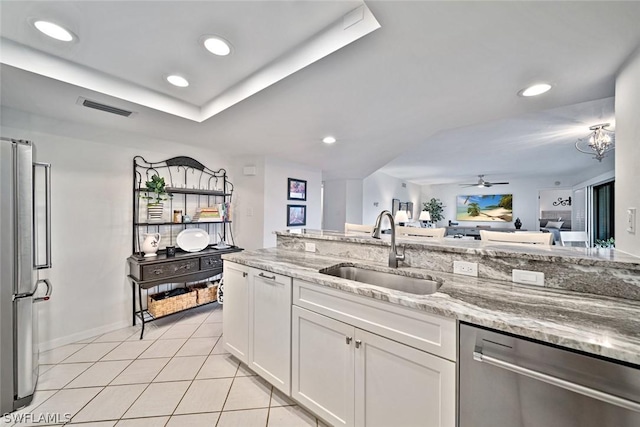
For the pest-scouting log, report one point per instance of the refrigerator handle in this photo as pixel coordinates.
(49, 290)
(35, 289)
(47, 179)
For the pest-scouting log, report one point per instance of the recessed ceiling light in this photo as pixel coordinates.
(177, 81)
(328, 140)
(217, 45)
(536, 89)
(54, 31)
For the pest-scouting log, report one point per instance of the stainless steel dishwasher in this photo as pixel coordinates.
(507, 381)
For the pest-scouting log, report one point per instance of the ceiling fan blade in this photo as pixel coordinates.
(468, 185)
(499, 183)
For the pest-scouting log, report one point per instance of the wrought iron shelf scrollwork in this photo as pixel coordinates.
(189, 186)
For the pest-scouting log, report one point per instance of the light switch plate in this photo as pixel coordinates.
(465, 268)
(309, 247)
(527, 277)
(631, 220)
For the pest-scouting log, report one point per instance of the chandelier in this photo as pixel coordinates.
(598, 142)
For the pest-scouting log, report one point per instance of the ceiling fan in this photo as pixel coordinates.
(483, 184)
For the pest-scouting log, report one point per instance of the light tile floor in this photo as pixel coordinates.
(179, 375)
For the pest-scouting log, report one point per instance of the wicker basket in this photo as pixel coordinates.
(205, 294)
(162, 307)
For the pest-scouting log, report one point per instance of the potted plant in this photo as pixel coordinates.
(155, 193)
(435, 209)
(605, 243)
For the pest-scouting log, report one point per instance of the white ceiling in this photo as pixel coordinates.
(416, 86)
(540, 144)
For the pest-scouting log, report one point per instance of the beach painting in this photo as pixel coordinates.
(485, 208)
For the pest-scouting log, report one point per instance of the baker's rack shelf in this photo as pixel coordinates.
(189, 186)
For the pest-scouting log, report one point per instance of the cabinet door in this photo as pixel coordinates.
(323, 377)
(270, 328)
(235, 312)
(397, 385)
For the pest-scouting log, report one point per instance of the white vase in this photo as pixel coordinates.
(151, 244)
(154, 212)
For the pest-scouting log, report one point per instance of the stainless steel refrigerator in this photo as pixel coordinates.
(25, 251)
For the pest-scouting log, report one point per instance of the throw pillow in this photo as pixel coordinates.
(554, 224)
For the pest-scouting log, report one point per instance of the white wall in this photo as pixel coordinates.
(248, 202)
(91, 228)
(550, 196)
(380, 188)
(342, 203)
(354, 201)
(627, 185)
(525, 200)
(277, 172)
(335, 205)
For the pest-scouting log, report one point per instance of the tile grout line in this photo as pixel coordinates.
(233, 380)
(65, 358)
(156, 376)
(135, 400)
(159, 371)
(131, 361)
(269, 408)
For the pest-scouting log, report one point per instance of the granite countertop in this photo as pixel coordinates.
(565, 254)
(599, 325)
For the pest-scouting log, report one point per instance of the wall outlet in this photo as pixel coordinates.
(309, 247)
(527, 277)
(465, 268)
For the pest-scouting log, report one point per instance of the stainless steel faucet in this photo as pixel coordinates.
(394, 257)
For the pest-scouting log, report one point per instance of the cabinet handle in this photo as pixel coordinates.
(158, 271)
(348, 339)
(478, 356)
(244, 274)
(358, 343)
(267, 277)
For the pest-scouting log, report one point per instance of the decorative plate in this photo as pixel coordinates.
(192, 240)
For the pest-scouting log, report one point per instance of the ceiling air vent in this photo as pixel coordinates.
(104, 107)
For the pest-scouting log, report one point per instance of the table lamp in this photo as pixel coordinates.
(401, 217)
(425, 216)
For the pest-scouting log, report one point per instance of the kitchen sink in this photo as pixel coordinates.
(412, 285)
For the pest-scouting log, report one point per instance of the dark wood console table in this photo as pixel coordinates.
(146, 273)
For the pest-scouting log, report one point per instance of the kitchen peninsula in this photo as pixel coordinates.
(589, 303)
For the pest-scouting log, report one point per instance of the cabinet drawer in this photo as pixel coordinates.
(177, 268)
(424, 331)
(210, 262)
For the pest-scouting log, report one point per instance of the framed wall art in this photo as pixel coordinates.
(296, 215)
(296, 189)
(485, 207)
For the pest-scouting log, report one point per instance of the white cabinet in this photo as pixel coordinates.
(235, 312)
(270, 328)
(352, 377)
(323, 374)
(257, 322)
(397, 385)
(418, 329)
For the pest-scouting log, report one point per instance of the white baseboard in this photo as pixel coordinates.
(78, 336)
